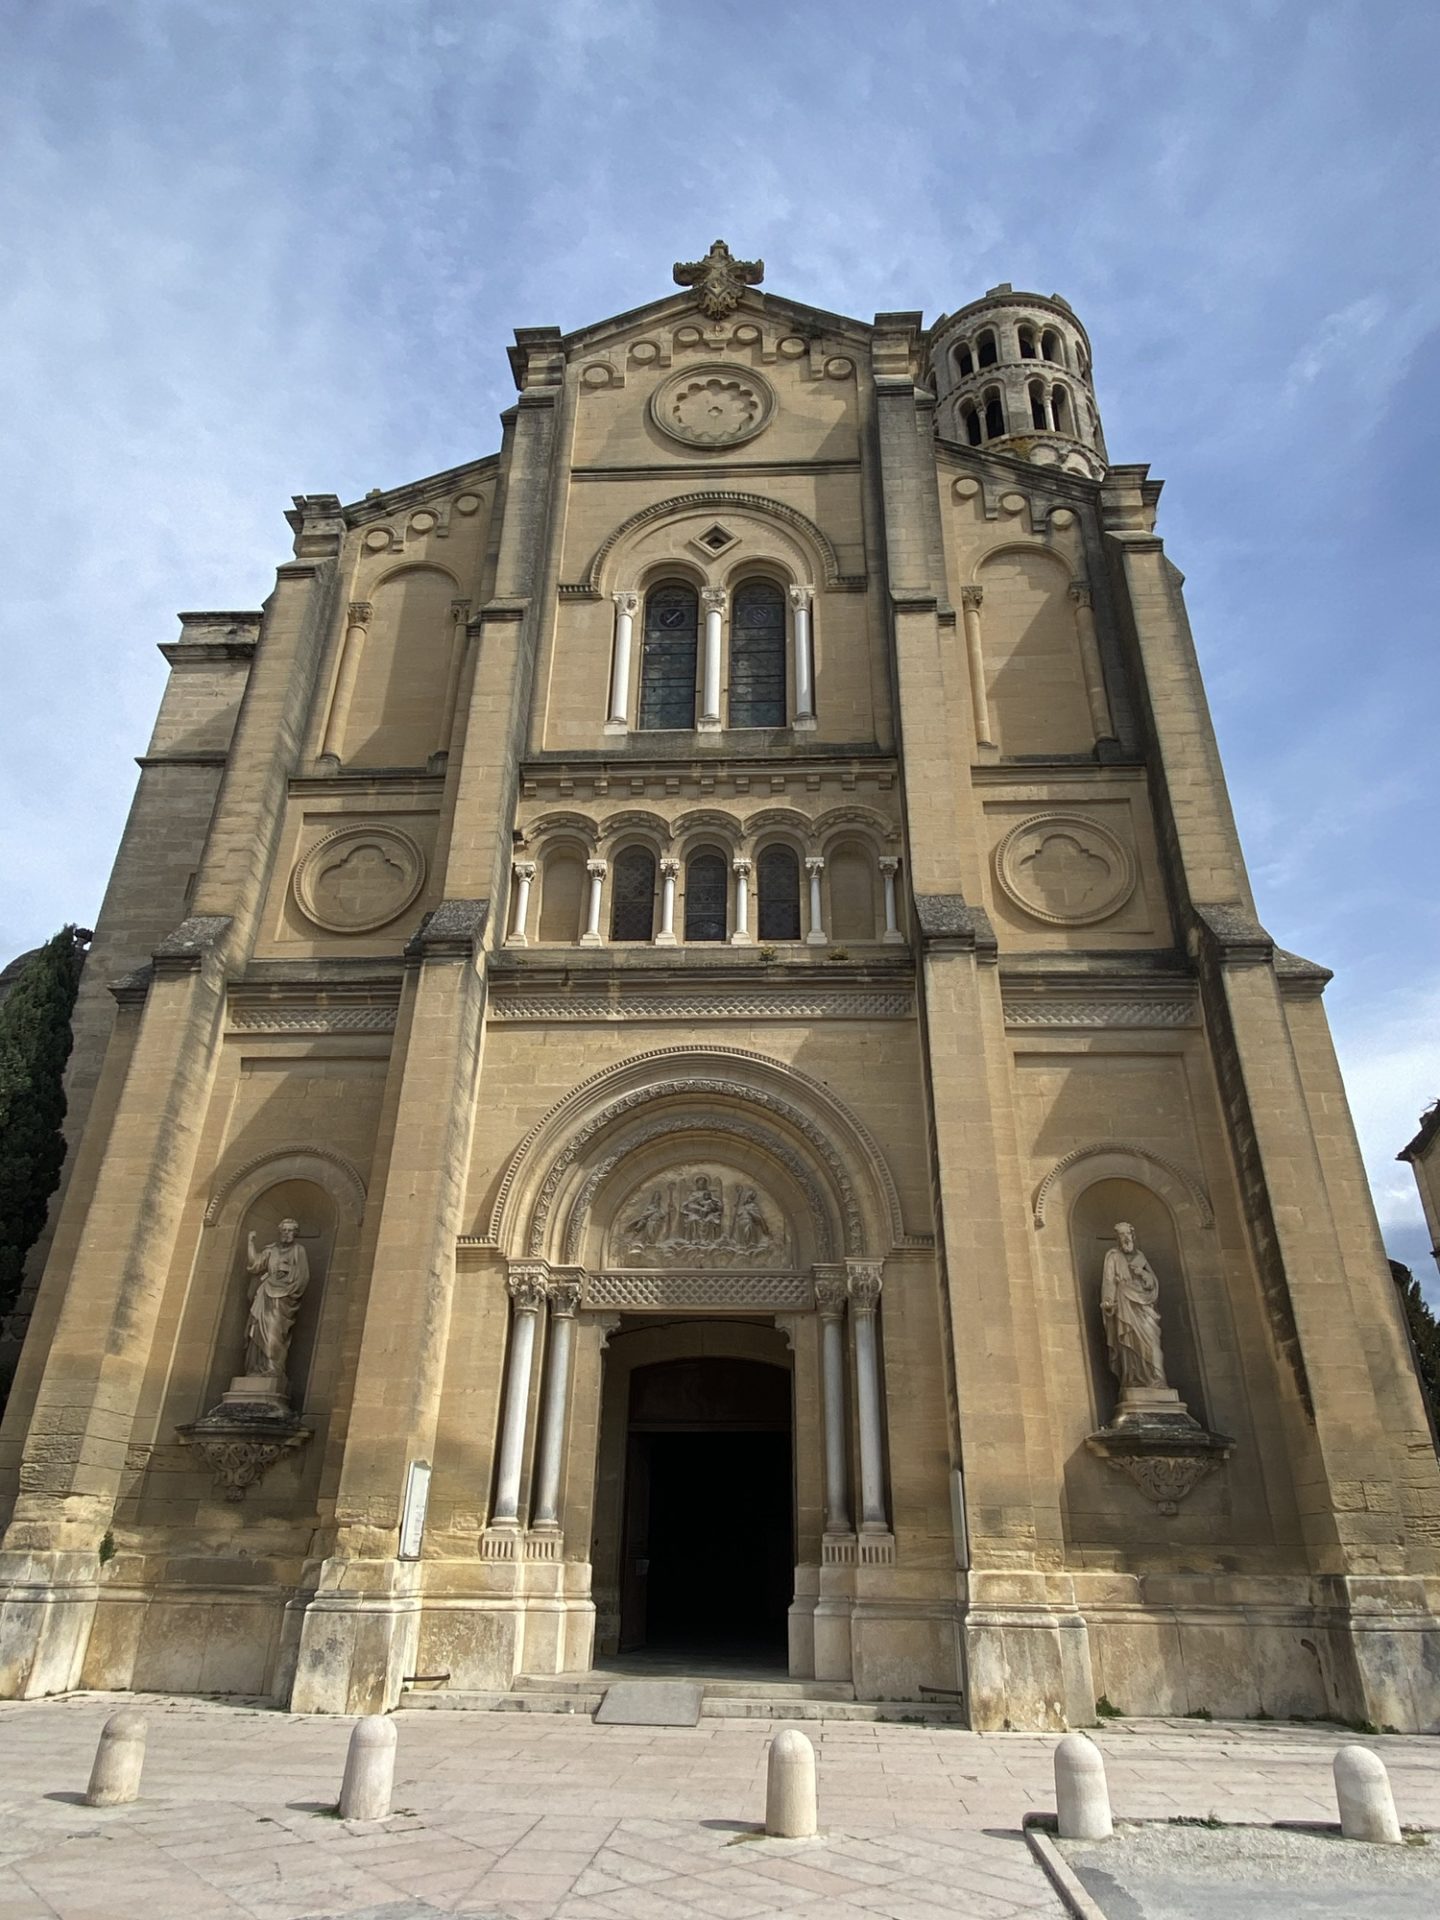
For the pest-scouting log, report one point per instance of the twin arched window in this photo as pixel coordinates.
(670, 656)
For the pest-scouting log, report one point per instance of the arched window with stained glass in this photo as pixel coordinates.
(671, 642)
(778, 876)
(757, 655)
(632, 895)
(707, 896)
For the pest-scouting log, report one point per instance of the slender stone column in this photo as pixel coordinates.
(564, 1300)
(741, 936)
(970, 598)
(460, 615)
(669, 871)
(801, 599)
(714, 601)
(524, 879)
(830, 1304)
(864, 1290)
(627, 605)
(1090, 661)
(357, 619)
(592, 936)
(817, 935)
(889, 867)
(527, 1291)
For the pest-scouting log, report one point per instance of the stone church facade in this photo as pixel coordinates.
(679, 1057)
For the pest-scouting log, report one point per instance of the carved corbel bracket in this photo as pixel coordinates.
(1166, 1459)
(240, 1452)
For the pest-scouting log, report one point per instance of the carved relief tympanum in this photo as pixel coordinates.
(699, 1217)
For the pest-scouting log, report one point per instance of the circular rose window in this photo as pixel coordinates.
(712, 406)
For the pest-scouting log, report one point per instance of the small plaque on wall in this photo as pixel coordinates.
(412, 1518)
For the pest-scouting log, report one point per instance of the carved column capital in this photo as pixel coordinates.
(713, 598)
(670, 866)
(740, 864)
(460, 612)
(865, 1278)
(814, 863)
(627, 601)
(358, 613)
(564, 1299)
(801, 598)
(889, 863)
(1080, 592)
(524, 869)
(597, 869)
(971, 597)
(829, 1292)
(528, 1283)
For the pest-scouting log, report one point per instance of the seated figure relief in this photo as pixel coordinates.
(699, 1219)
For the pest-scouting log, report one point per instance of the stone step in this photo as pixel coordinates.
(730, 1705)
(715, 1688)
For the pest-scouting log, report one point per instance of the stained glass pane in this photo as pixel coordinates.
(757, 656)
(632, 896)
(667, 678)
(706, 897)
(778, 874)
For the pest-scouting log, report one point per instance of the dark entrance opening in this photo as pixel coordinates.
(709, 1558)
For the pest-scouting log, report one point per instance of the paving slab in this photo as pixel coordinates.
(651, 1703)
(1170, 1872)
(550, 1817)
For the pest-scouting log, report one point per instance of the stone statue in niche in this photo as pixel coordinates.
(698, 1218)
(1153, 1438)
(281, 1273)
(1130, 1309)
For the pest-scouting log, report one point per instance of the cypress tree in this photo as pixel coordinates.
(34, 1046)
(1424, 1339)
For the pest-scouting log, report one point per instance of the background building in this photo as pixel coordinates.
(693, 1065)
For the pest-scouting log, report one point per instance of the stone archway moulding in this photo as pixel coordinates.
(1123, 1150)
(735, 1127)
(719, 500)
(753, 1080)
(276, 1155)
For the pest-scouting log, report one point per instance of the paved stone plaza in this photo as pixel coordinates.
(532, 1815)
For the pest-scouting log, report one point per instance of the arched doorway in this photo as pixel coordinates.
(695, 1509)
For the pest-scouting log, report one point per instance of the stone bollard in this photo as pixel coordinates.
(790, 1787)
(369, 1770)
(119, 1758)
(1082, 1799)
(1367, 1806)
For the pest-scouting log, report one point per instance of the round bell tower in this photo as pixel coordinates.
(1012, 370)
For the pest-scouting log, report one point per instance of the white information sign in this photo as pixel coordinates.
(412, 1518)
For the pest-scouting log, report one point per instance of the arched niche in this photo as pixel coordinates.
(326, 1196)
(1095, 1212)
(398, 705)
(1033, 670)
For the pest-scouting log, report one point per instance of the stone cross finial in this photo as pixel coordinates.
(720, 278)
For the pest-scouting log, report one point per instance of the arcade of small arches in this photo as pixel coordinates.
(777, 879)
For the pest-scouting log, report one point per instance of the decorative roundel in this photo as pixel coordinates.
(1064, 869)
(467, 503)
(712, 406)
(967, 488)
(377, 538)
(839, 368)
(359, 878)
(422, 522)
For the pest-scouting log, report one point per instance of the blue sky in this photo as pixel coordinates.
(253, 249)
